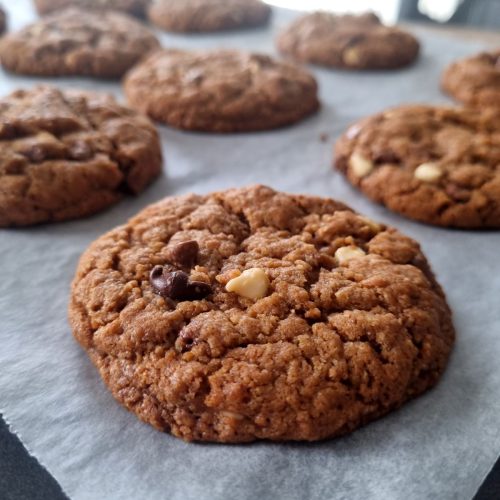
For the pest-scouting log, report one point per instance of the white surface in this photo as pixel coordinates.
(439, 446)
(386, 9)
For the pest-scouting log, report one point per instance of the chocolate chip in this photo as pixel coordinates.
(383, 157)
(187, 339)
(185, 254)
(7, 131)
(35, 153)
(80, 151)
(176, 285)
(457, 193)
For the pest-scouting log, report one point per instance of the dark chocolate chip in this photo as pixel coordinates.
(384, 157)
(176, 285)
(7, 131)
(35, 153)
(187, 339)
(80, 151)
(457, 193)
(185, 254)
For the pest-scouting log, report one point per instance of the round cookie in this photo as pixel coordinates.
(253, 314)
(134, 7)
(475, 81)
(221, 91)
(77, 42)
(347, 41)
(194, 16)
(65, 155)
(3, 21)
(434, 164)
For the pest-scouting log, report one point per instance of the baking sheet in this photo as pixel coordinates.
(439, 446)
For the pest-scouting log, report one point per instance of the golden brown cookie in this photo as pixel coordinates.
(221, 90)
(208, 15)
(475, 80)
(434, 164)
(134, 7)
(3, 21)
(65, 155)
(78, 42)
(347, 41)
(253, 314)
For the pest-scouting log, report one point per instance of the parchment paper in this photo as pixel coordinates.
(439, 446)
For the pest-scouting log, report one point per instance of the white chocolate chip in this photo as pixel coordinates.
(252, 284)
(360, 165)
(351, 57)
(344, 254)
(428, 172)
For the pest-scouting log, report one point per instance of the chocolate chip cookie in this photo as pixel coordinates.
(434, 164)
(253, 314)
(476, 80)
(77, 42)
(208, 15)
(134, 7)
(347, 41)
(70, 154)
(221, 91)
(3, 21)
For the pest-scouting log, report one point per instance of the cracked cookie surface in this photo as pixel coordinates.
(70, 154)
(134, 7)
(347, 41)
(78, 42)
(221, 91)
(475, 80)
(349, 325)
(434, 164)
(194, 16)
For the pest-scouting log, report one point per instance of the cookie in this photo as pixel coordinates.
(433, 164)
(190, 16)
(253, 314)
(475, 81)
(77, 42)
(347, 41)
(221, 91)
(134, 7)
(3, 21)
(65, 155)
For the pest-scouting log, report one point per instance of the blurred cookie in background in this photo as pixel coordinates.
(69, 154)
(134, 7)
(221, 90)
(3, 21)
(347, 41)
(475, 80)
(77, 42)
(434, 164)
(208, 15)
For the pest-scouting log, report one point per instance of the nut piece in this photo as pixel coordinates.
(360, 165)
(351, 57)
(428, 172)
(252, 284)
(344, 254)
